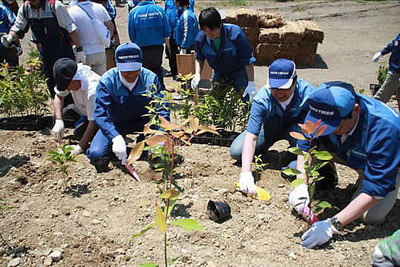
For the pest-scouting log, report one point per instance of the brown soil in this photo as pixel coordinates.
(92, 219)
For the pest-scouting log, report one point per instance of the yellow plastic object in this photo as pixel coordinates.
(262, 194)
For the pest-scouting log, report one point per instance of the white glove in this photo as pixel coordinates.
(246, 183)
(119, 148)
(319, 233)
(376, 57)
(183, 51)
(6, 40)
(80, 57)
(77, 150)
(250, 90)
(195, 81)
(58, 129)
(299, 198)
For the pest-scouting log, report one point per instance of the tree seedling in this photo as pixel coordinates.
(170, 136)
(61, 156)
(313, 161)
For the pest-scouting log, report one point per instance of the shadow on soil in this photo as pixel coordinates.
(77, 190)
(6, 164)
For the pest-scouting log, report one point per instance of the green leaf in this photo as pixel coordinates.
(188, 225)
(311, 190)
(320, 165)
(296, 183)
(172, 203)
(323, 155)
(144, 230)
(296, 151)
(291, 172)
(160, 220)
(148, 264)
(324, 205)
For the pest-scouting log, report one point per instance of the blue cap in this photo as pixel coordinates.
(128, 57)
(330, 103)
(281, 73)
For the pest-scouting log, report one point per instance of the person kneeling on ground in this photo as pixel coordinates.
(79, 81)
(121, 104)
(363, 134)
(276, 110)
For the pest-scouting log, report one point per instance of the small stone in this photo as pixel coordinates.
(14, 262)
(292, 255)
(119, 258)
(281, 185)
(48, 261)
(120, 251)
(95, 221)
(56, 255)
(86, 213)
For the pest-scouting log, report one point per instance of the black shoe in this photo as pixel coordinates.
(330, 177)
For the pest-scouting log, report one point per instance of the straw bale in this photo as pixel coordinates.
(270, 35)
(305, 53)
(287, 51)
(312, 32)
(270, 20)
(247, 17)
(230, 16)
(291, 33)
(266, 53)
(252, 34)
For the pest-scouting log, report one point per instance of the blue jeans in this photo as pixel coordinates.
(276, 131)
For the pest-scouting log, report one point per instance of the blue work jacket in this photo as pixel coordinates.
(394, 60)
(148, 24)
(187, 27)
(117, 105)
(234, 52)
(7, 19)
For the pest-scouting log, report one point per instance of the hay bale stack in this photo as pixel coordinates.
(266, 53)
(305, 53)
(271, 35)
(247, 17)
(252, 34)
(270, 20)
(291, 33)
(312, 32)
(230, 17)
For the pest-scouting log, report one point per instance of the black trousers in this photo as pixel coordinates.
(152, 60)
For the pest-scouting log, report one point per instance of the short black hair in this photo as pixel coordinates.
(183, 2)
(210, 18)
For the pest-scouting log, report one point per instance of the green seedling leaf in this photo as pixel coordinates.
(311, 190)
(170, 193)
(188, 225)
(323, 155)
(297, 136)
(314, 174)
(324, 205)
(291, 172)
(320, 165)
(144, 230)
(149, 264)
(160, 220)
(136, 152)
(171, 206)
(296, 151)
(296, 183)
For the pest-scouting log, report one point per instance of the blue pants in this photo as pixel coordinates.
(271, 131)
(100, 146)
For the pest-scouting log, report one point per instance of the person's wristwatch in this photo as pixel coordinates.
(335, 223)
(79, 49)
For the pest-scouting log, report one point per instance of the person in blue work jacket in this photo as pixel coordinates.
(7, 19)
(171, 10)
(364, 134)
(391, 83)
(275, 111)
(120, 105)
(227, 51)
(148, 28)
(187, 28)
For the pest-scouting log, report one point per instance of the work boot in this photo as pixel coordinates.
(330, 177)
(101, 164)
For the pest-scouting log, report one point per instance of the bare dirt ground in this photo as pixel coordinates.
(91, 223)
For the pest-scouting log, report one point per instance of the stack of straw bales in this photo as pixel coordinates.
(271, 37)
